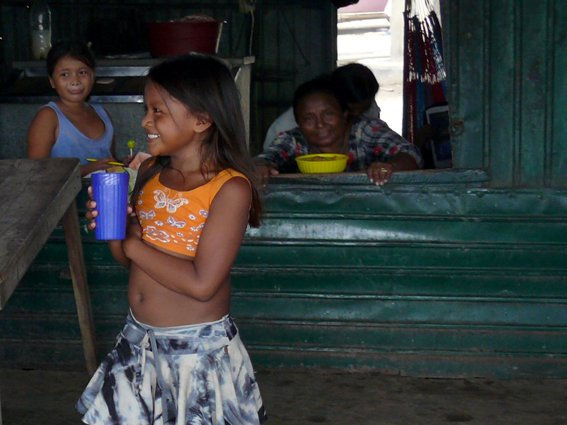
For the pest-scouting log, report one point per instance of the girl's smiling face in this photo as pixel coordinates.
(169, 125)
(72, 79)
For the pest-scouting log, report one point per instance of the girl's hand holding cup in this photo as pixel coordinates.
(92, 212)
(107, 207)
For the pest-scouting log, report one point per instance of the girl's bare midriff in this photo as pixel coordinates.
(154, 304)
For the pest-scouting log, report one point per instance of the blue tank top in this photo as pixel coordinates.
(71, 143)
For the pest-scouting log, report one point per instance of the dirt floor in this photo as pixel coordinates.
(312, 396)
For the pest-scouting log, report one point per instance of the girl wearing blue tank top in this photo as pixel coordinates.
(70, 126)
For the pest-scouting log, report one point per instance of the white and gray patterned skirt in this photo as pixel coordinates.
(183, 375)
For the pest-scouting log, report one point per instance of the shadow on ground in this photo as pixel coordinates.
(326, 396)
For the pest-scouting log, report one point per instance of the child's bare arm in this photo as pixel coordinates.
(42, 134)
(218, 246)
(117, 252)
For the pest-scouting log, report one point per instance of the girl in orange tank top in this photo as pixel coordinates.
(179, 358)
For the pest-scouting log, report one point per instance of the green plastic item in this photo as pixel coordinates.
(131, 145)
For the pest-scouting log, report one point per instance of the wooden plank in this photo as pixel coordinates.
(80, 286)
(516, 339)
(412, 202)
(557, 148)
(467, 82)
(533, 32)
(394, 310)
(456, 258)
(392, 338)
(434, 256)
(421, 177)
(427, 365)
(502, 118)
(48, 297)
(36, 194)
(410, 229)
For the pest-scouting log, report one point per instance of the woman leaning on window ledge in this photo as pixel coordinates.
(324, 126)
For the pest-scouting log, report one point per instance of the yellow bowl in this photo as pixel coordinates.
(316, 163)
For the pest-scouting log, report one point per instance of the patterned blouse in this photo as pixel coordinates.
(370, 140)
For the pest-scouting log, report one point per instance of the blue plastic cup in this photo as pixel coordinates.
(110, 192)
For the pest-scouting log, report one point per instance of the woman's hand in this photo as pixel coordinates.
(380, 172)
(265, 171)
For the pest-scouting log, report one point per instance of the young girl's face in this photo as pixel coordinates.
(72, 79)
(169, 125)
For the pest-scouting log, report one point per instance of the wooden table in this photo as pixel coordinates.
(35, 196)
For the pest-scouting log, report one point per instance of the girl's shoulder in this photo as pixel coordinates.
(46, 115)
(228, 175)
(233, 187)
(50, 108)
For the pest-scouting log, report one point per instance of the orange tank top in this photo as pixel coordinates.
(173, 219)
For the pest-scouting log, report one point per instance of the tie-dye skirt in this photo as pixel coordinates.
(182, 375)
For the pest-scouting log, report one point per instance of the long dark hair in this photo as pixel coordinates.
(204, 84)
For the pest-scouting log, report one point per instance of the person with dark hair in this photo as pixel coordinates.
(354, 84)
(179, 358)
(71, 126)
(325, 127)
(357, 86)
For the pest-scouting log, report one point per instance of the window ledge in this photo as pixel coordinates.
(464, 177)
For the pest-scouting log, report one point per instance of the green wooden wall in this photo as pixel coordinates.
(437, 278)
(432, 279)
(508, 89)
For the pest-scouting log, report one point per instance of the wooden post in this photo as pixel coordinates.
(80, 287)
